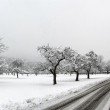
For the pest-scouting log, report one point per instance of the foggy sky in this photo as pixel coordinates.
(83, 25)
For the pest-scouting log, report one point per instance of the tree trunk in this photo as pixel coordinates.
(54, 79)
(88, 75)
(17, 75)
(107, 71)
(77, 76)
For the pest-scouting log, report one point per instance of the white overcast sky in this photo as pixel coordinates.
(83, 25)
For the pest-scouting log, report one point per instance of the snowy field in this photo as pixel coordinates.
(26, 92)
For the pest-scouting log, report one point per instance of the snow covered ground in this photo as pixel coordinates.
(27, 92)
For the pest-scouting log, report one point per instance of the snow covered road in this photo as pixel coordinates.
(83, 100)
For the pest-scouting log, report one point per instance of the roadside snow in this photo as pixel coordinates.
(27, 92)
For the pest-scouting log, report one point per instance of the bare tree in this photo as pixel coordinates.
(2, 46)
(100, 65)
(107, 67)
(76, 64)
(54, 56)
(91, 62)
(16, 65)
(3, 67)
